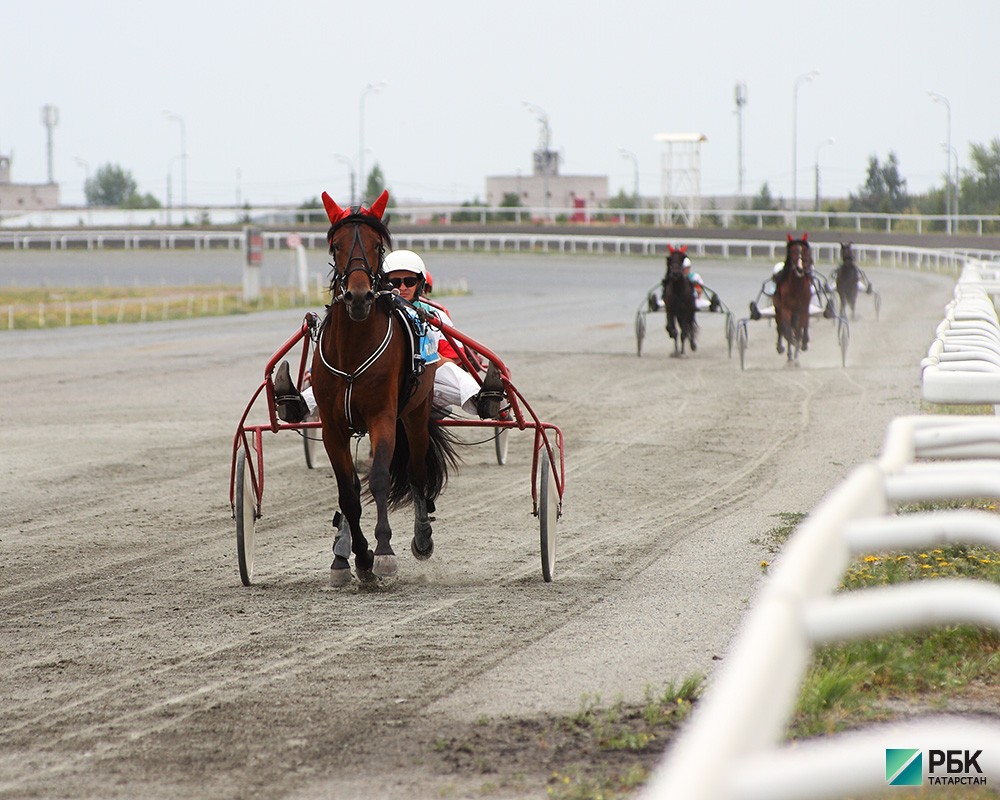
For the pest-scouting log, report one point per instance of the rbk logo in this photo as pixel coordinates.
(904, 767)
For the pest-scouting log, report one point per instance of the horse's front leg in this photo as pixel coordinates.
(671, 327)
(415, 423)
(349, 535)
(383, 439)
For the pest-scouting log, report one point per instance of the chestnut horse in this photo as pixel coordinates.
(366, 379)
(792, 294)
(678, 297)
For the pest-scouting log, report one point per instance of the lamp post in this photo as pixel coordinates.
(635, 166)
(741, 100)
(86, 182)
(370, 88)
(170, 192)
(544, 141)
(183, 157)
(819, 147)
(958, 182)
(812, 74)
(937, 98)
(350, 169)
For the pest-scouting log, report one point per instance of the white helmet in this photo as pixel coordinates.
(686, 262)
(404, 259)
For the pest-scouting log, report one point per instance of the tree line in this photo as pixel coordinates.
(883, 192)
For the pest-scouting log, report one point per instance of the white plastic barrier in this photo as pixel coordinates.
(732, 747)
(963, 362)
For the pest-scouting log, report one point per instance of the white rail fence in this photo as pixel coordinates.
(940, 260)
(963, 363)
(732, 747)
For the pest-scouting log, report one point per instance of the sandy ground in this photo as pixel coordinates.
(136, 664)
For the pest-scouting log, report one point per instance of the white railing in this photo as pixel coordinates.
(732, 748)
(895, 256)
(963, 362)
(449, 214)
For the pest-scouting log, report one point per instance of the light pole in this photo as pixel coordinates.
(958, 183)
(350, 170)
(812, 74)
(370, 88)
(86, 182)
(937, 98)
(741, 100)
(545, 138)
(819, 147)
(170, 192)
(183, 156)
(635, 166)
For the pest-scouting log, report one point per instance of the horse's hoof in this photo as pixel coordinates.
(339, 578)
(421, 555)
(385, 566)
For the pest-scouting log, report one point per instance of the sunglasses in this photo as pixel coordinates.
(409, 283)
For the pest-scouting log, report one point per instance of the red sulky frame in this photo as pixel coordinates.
(517, 414)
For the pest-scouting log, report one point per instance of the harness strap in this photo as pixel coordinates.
(350, 376)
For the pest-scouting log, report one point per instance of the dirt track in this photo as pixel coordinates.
(136, 665)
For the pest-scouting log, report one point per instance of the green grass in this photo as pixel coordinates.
(858, 682)
(25, 309)
(48, 307)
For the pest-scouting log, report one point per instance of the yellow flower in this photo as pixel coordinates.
(764, 564)
(924, 555)
(925, 566)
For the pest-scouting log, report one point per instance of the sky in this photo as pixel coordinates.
(265, 97)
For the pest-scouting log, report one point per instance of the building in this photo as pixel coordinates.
(546, 188)
(16, 198)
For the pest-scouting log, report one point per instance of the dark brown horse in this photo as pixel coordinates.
(366, 379)
(847, 277)
(678, 297)
(792, 294)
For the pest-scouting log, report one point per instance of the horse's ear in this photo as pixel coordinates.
(684, 249)
(805, 236)
(333, 211)
(789, 238)
(670, 248)
(378, 207)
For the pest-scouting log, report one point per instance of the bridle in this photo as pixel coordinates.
(801, 267)
(356, 253)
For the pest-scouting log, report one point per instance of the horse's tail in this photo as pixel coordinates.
(441, 455)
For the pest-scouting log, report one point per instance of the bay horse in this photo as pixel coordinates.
(678, 297)
(366, 379)
(847, 276)
(792, 294)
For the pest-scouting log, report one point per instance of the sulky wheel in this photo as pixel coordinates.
(741, 342)
(246, 517)
(878, 305)
(843, 338)
(640, 331)
(548, 512)
(500, 440)
(730, 332)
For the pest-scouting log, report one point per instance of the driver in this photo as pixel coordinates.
(406, 274)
